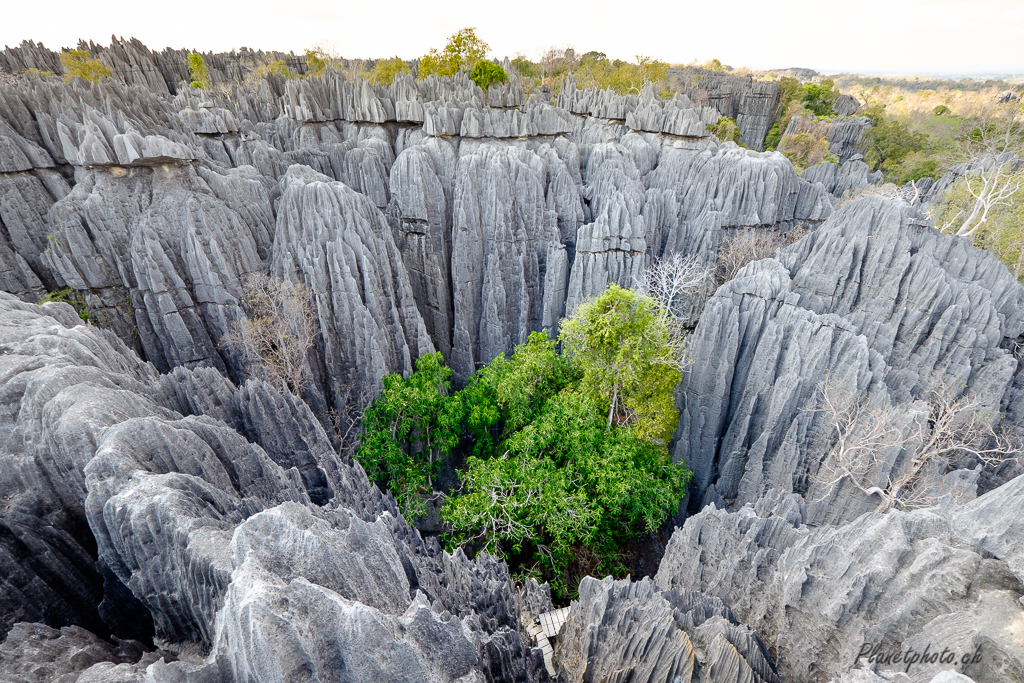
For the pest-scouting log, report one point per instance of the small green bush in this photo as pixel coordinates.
(197, 71)
(80, 64)
(524, 66)
(942, 110)
(804, 150)
(385, 70)
(789, 105)
(819, 97)
(316, 62)
(726, 130)
(68, 296)
(463, 50)
(277, 67)
(486, 72)
(41, 73)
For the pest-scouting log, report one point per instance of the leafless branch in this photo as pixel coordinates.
(944, 429)
(277, 333)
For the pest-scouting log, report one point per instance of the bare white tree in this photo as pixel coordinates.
(941, 430)
(992, 149)
(671, 280)
(277, 333)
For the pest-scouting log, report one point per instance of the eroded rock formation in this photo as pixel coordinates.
(165, 516)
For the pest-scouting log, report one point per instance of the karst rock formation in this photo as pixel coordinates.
(165, 517)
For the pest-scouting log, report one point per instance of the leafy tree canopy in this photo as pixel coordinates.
(596, 70)
(463, 50)
(486, 72)
(524, 66)
(197, 71)
(80, 64)
(726, 130)
(889, 141)
(819, 97)
(385, 70)
(566, 454)
(409, 428)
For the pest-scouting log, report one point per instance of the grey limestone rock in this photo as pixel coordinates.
(846, 105)
(420, 215)
(904, 580)
(674, 117)
(844, 136)
(613, 248)
(767, 339)
(194, 519)
(604, 104)
(752, 103)
(36, 653)
(619, 630)
(149, 246)
(839, 180)
(337, 243)
(503, 233)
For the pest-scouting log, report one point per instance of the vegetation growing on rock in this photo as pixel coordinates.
(197, 71)
(566, 451)
(462, 51)
(385, 70)
(80, 64)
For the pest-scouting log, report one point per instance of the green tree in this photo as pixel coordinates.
(597, 71)
(819, 97)
(385, 70)
(726, 130)
(316, 63)
(524, 66)
(486, 72)
(787, 107)
(277, 67)
(463, 50)
(805, 150)
(555, 470)
(197, 71)
(508, 394)
(409, 428)
(565, 483)
(890, 140)
(80, 64)
(630, 359)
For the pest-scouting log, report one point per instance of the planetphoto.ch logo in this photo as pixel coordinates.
(878, 653)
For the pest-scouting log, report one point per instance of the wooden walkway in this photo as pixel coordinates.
(544, 629)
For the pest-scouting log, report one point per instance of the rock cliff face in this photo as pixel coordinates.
(900, 580)
(619, 630)
(167, 516)
(874, 298)
(171, 499)
(752, 103)
(501, 217)
(844, 135)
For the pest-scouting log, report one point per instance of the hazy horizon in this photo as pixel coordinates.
(885, 37)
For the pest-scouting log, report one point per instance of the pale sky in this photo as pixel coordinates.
(868, 36)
